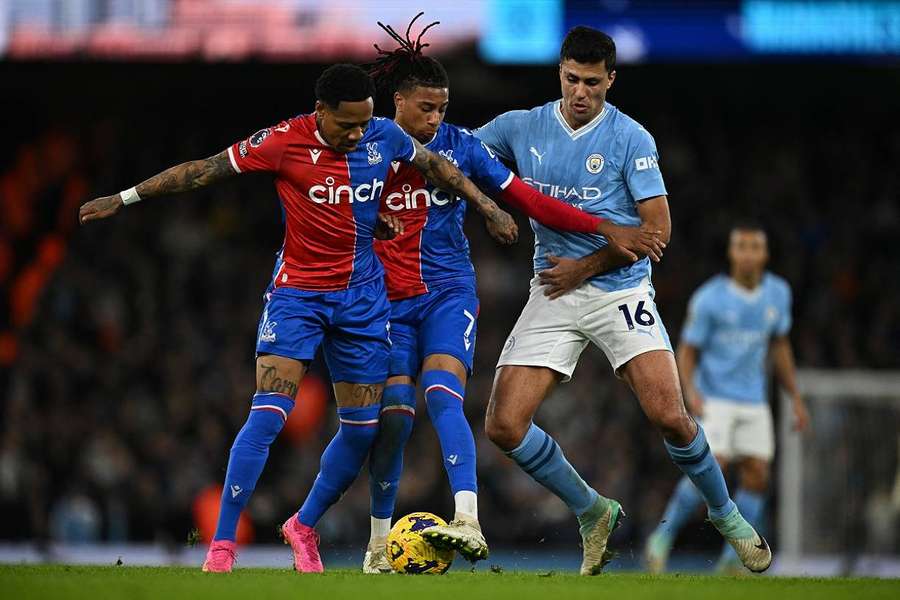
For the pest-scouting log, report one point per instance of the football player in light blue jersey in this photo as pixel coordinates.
(585, 151)
(735, 322)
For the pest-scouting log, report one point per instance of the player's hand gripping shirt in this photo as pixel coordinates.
(433, 247)
(330, 200)
(604, 168)
(732, 328)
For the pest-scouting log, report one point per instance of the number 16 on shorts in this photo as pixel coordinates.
(637, 314)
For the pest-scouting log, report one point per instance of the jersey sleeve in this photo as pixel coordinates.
(499, 134)
(642, 174)
(262, 151)
(698, 324)
(399, 142)
(487, 171)
(785, 320)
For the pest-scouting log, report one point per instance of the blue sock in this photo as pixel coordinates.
(541, 457)
(751, 506)
(341, 461)
(268, 413)
(682, 505)
(444, 394)
(398, 410)
(697, 462)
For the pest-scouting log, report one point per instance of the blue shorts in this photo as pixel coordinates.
(440, 321)
(352, 325)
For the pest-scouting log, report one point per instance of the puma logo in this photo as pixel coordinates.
(539, 156)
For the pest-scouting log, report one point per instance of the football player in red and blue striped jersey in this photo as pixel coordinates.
(330, 168)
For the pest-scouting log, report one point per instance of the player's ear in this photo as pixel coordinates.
(612, 78)
(320, 109)
(399, 101)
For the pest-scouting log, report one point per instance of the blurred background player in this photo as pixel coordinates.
(735, 323)
(431, 285)
(328, 289)
(586, 151)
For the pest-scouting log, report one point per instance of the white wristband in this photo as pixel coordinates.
(129, 196)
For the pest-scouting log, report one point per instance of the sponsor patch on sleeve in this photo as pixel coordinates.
(257, 138)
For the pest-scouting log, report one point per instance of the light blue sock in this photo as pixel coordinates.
(341, 461)
(398, 410)
(268, 414)
(541, 457)
(697, 462)
(751, 506)
(682, 505)
(444, 394)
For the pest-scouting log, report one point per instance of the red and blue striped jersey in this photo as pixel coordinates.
(433, 246)
(331, 200)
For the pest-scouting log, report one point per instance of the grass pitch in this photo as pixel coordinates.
(138, 583)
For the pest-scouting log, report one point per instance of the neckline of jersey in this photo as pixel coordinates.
(748, 295)
(577, 133)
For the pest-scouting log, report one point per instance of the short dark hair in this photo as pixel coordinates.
(748, 224)
(406, 67)
(588, 45)
(344, 83)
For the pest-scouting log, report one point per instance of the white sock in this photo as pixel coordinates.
(380, 528)
(466, 504)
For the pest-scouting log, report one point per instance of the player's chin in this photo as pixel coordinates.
(347, 148)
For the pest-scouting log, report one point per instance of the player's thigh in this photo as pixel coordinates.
(625, 325)
(293, 324)
(517, 393)
(719, 420)
(357, 345)
(449, 325)
(279, 374)
(357, 395)
(405, 358)
(754, 433)
(546, 335)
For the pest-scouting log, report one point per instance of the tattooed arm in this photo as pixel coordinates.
(443, 174)
(180, 178)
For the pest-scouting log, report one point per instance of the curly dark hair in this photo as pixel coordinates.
(344, 83)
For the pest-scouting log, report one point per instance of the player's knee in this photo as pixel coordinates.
(505, 433)
(755, 475)
(675, 426)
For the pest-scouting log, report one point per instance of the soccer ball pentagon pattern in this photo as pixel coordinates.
(407, 550)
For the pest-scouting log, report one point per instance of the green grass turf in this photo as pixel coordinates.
(137, 583)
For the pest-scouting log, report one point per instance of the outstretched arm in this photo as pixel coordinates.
(568, 273)
(556, 214)
(187, 176)
(443, 174)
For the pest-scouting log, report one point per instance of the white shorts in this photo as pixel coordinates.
(553, 333)
(738, 430)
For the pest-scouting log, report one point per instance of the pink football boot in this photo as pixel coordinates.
(304, 543)
(220, 557)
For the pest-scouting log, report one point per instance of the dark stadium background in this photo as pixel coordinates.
(127, 346)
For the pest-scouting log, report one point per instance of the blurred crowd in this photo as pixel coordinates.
(136, 370)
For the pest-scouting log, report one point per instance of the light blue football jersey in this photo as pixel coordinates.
(603, 168)
(732, 327)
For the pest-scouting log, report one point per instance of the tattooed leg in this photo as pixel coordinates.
(279, 375)
(277, 382)
(358, 408)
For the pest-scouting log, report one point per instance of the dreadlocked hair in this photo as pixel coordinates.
(405, 67)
